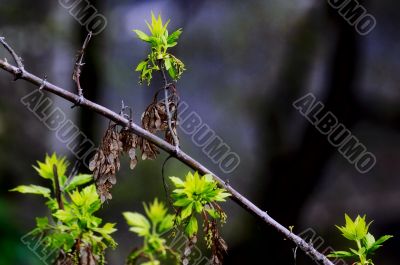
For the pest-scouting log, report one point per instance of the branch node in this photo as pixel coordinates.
(44, 81)
(79, 101)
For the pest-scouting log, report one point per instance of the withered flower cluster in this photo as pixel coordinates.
(106, 162)
(82, 255)
(217, 244)
(155, 119)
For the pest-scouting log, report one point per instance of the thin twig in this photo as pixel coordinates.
(17, 59)
(78, 65)
(165, 184)
(242, 201)
(57, 188)
(166, 102)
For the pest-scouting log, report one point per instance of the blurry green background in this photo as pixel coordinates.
(247, 61)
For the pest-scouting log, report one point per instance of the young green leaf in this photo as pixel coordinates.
(141, 35)
(357, 231)
(340, 254)
(78, 180)
(139, 224)
(33, 189)
(160, 41)
(192, 227)
(151, 228)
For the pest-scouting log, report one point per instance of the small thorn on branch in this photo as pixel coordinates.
(17, 59)
(78, 69)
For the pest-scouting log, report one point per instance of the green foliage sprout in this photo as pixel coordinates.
(197, 194)
(357, 231)
(160, 41)
(72, 222)
(151, 229)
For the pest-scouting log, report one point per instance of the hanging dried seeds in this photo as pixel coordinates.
(214, 241)
(65, 259)
(105, 163)
(149, 150)
(87, 257)
(155, 119)
(129, 143)
(190, 243)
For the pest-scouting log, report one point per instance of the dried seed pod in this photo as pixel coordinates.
(217, 244)
(106, 163)
(129, 143)
(155, 119)
(86, 256)
(149, 150)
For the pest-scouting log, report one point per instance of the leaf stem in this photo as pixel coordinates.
(166, 102)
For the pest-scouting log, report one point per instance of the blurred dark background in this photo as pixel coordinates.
(247, 62)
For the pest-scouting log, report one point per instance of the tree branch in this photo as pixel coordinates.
(242, 201)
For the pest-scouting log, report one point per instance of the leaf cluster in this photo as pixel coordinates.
(151, 228)
(160, 41)
(197, 195)
(72, 210)
(357, 231)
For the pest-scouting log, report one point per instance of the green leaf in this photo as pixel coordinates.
(191, 227)
(369, 241)
(33, 189)
(89, 195)
(156, 211)
(213, 213)
(78, 180)
(166, 224)
(62, 240)
(105, 232)
(139, 224)
(187, 211)
(167, 63)
(341, 254)
(152, 262)
(64, 216)
(142, 65)
(198, 207)
(46, 169)
(378, 243)
(141, 35)
(42, 222)
(356, 230)
(172, 38)
(221, 196)
(182, 202)
(172, 72)
(177, 182)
